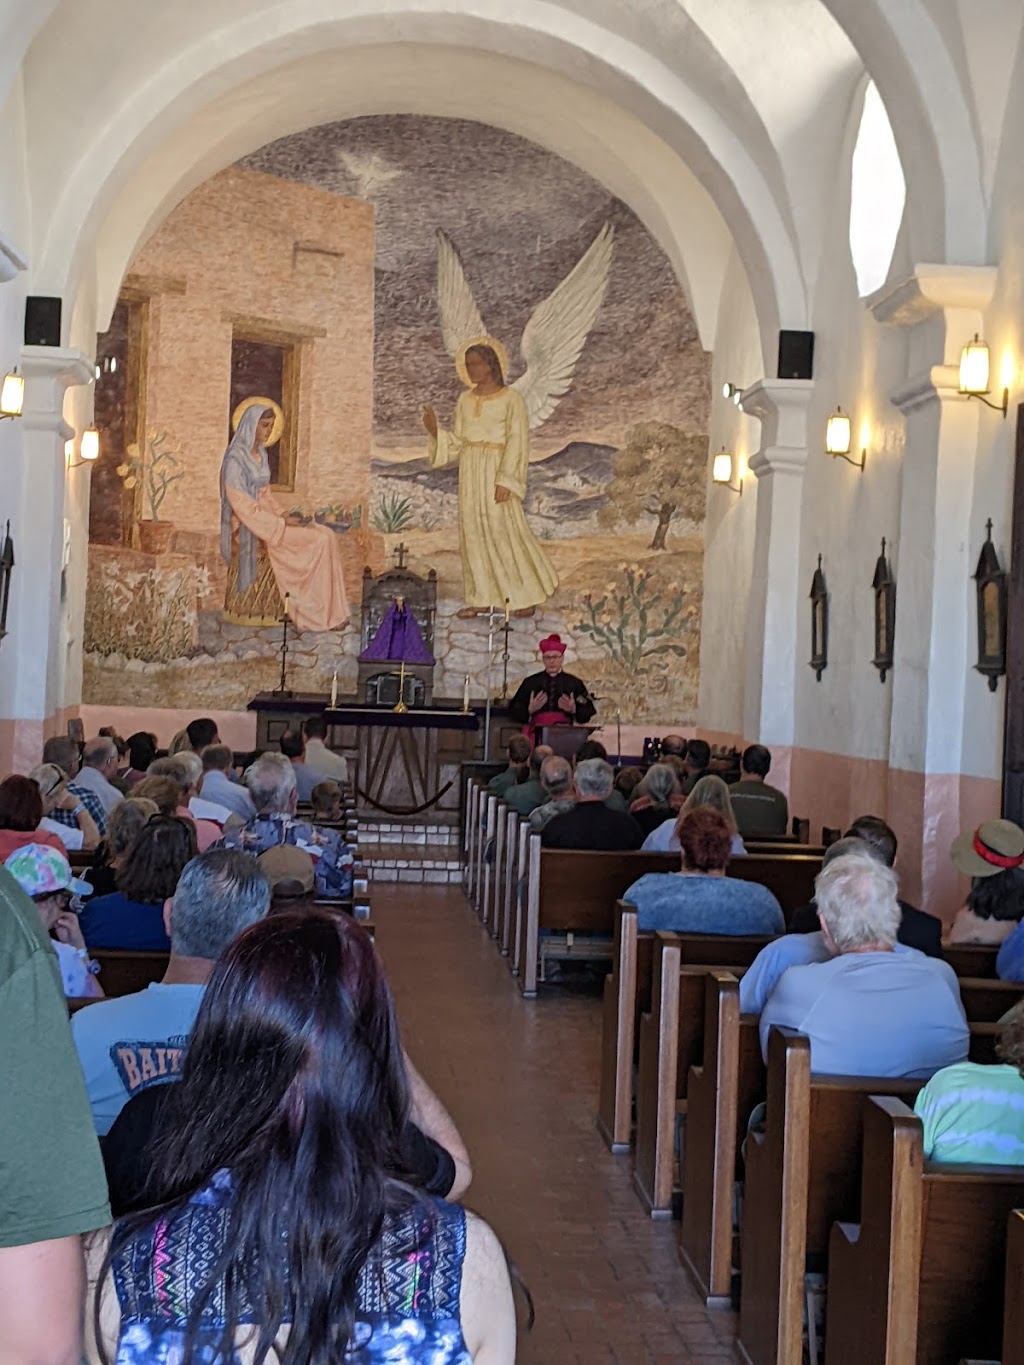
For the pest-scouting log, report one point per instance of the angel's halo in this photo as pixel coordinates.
(496, 347)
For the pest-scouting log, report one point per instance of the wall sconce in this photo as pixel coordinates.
(88, 448)
(732, 391)
(12, 395)
(837, 440)
(974, 375)
(721, 472)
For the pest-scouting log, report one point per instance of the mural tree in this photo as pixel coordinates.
(659, 472)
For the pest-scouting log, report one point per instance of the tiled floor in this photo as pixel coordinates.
(520, 1078)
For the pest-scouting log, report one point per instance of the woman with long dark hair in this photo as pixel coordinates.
(286, 1227)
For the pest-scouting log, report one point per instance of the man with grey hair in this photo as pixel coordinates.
(128, 1044)
(590, 824)
(271, 783)
(556, 779)
(870, 1010)
(99, 764)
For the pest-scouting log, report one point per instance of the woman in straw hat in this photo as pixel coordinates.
(993, 857)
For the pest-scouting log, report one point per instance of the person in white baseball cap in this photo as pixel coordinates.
(45, 875)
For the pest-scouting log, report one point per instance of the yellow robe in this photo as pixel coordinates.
(501, 557)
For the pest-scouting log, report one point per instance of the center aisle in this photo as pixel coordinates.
(520, 1079)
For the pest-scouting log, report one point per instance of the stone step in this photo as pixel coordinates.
(416, 863)
(372, 833)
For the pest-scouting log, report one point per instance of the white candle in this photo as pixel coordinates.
(465, 694)
(334, 690)
(286, 598)
(506, 610)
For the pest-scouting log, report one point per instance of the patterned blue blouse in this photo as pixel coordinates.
(408, 1311)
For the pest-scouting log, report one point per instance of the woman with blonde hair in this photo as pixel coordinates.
(124, 824)
(710, 792)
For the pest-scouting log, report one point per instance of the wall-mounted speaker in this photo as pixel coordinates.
(42, 320)
(796, 355)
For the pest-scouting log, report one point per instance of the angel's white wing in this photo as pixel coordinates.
(559, 327)
(460, 317)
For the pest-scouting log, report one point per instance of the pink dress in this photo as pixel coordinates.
(306, 560)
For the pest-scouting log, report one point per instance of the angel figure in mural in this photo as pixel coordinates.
(502, 560)
(269, 552)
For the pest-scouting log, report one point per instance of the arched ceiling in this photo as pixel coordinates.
(710, 122)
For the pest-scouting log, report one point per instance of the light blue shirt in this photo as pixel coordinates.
(135, 1041)
(762, 976)
(219, 788)
(698, 903)
(873, 1014)
(663, 840)
(1010, 959)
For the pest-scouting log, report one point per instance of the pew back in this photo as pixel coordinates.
(124, 973)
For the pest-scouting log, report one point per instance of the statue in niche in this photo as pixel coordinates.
(502, 560)
(269, 552)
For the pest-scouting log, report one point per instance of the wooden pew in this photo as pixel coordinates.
(802, 1173)
(570, 891)
(494, 870)
(971, 959)
(517, 926)
(509, 889)
(920, 1279)
(627, 994)
(470, 825)
(124, 973)
(986, 1001)
(488, 822)
(1013, 1299)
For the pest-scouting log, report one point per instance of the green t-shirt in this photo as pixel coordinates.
(51, 1173)
(973, 1113)
(500, 783)
(761, 811)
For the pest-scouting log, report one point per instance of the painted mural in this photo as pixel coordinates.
(398, 339)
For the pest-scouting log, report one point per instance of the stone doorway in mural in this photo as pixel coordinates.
(312, 276)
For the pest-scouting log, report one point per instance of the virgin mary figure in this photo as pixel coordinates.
(268, 552)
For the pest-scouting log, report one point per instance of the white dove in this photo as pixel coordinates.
(557, 330)
(369, 170)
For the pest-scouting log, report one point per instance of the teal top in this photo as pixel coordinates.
(974, 1113)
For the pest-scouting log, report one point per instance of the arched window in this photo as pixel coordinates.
(878, 193)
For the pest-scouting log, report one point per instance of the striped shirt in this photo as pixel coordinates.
(974, 1113)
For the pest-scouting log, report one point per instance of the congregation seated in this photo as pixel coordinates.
(164, 792)
(593, 748)
(44, 874)
(100, 758)
(186, 770)
(711, 792)
(123, 828)
(21, 815)
(590, 823)
(53, 788)
(293, 746)
(559, 792)
(519, 749)
(917, 929)
(673, 746)
(657, 799)
(974, 1112)
(992, 856)
(868, 1010)
(142, 749)
(526, 796)
(700, 898)
(271, 783)
(327, 765)
(295, 1052)
(136, 1041)
(216, 785)
(326, 801)
(762, 811)
(196, 735)
(65, 753)
(697, 761)
(132, 917)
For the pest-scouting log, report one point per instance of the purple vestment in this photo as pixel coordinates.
(398, 638)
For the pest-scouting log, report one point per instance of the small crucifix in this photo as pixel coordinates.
(400, 552)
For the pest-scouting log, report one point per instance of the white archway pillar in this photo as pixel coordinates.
(942, 306)
(31, 661)
(779, 465)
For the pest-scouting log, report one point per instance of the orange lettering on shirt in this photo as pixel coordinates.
(127, 1059)
(148, 1069)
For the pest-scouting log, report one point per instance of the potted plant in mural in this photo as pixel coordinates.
(659, 472)
(153, 467)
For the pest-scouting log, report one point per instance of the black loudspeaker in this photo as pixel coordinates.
(42, 320)
(796, 355)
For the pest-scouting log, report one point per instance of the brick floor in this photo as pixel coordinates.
(520, 1078)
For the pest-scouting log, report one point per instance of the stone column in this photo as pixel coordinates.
(32, 497)
(942, 306)
(779, 464)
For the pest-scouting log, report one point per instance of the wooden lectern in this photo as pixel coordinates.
(565, 739)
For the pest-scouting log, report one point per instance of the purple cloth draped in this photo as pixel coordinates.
(398, 638)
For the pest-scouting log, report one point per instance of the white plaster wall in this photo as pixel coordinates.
(729, 522)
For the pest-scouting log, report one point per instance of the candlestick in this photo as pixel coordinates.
(401, 707)
(506, 610)
(465, 696)
(287, 598)
(334, 691)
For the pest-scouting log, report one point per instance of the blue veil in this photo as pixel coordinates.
(240, 471)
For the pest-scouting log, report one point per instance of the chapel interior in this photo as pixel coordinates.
(749, 275)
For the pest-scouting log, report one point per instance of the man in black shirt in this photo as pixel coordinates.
(917, 929)
(551, 697)
(590, 824)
